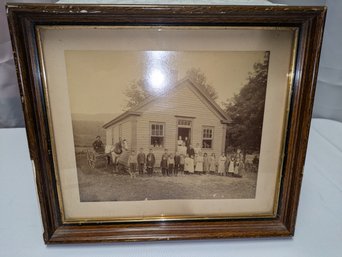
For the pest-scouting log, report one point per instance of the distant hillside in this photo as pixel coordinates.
(99, 117)
(85, 132)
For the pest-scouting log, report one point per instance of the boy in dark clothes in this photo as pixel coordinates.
(164, 163)
(177, 163)
(171, 165)
(141, 161)
(150, 161)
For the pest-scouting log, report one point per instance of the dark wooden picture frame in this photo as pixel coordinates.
(23, 19)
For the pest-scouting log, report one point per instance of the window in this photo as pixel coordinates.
(157, 135)
(184, 123)
(208, 135)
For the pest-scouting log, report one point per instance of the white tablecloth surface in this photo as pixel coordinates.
(318, 230)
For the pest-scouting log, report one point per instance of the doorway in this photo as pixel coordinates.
(184, 131)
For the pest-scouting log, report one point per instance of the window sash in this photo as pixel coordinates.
(157, 130)
(208, 133)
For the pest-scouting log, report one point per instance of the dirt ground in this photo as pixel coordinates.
(102, 184)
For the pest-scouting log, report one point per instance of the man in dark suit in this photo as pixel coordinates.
(191, 151)
(141, 161)
(98, 145)
(150, 161)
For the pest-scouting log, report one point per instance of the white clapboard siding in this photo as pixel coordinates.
(182, 101)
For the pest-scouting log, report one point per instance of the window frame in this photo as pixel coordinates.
(159, 136)
(212, 128)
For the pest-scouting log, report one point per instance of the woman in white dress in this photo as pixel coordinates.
(199, 164)
(179, 141)
(222, 164)
(182, 149)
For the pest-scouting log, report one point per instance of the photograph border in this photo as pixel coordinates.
(169, 217)
(24, 20)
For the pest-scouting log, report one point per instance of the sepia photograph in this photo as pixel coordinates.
(159, 125)
(167, 122)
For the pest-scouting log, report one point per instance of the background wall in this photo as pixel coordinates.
(11, 114)
(319, 223)
(328, 102)
(329, 87)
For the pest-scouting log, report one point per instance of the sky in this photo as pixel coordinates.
(97, 80)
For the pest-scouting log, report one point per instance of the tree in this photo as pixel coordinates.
(199, 78)
(136, 92)
(139, 90)
(246, 110)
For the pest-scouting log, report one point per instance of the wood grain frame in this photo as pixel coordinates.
(23, 18)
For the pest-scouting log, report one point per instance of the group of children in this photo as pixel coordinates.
(179, 163)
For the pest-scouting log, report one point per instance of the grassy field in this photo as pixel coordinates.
(102, 184)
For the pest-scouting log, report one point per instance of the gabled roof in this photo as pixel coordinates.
(134, 111)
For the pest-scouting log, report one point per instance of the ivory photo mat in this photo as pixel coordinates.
(61, 44)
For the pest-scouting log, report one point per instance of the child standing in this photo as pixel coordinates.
(231, 166)
(141, 161)
(238, 162)
(199, 163)
(212, 163)
(205, 163)
(171, 165)
(237, 169)
(163, 163)
(187, 164)
(222, 164)
(181, 163)
(191, 165)
(177, 163)
(132, 160)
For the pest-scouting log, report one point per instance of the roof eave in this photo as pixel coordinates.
(120, 118)
(226, 121)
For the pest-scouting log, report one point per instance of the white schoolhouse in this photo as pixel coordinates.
(185, 110)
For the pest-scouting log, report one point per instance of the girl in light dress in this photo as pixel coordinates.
(231, 167)
(222, 164)
(199, 163)
(187, 164)
(191, 165)
(212, 163)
